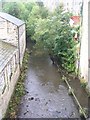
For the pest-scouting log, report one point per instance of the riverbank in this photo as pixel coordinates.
(78, 91)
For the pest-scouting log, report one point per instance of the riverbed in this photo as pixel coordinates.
(46, 94)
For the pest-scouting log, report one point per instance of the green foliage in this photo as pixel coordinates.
(51, 31)
(36, 13)
(20, 10)
(56, 35)
(11, 8)
(83, 82)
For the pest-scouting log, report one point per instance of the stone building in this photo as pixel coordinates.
(12, 48)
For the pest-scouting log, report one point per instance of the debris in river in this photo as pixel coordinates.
(26, 112)
(58, 111)
(26, 91)
(32, 98)
(27, 106)
(46, 103)
(37, 99)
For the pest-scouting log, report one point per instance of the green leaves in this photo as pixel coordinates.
(51, 31)
(56, 35)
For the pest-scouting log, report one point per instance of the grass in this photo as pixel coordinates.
(19, 90)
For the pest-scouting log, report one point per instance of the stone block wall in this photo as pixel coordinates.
(8, 32)
(12, 34)
(9, 76)
(84, 43)
(3, 28)
(15, 36)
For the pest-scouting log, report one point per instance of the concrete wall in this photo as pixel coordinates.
(89, 44)
(84, 43)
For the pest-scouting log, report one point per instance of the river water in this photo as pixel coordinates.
(46, 95)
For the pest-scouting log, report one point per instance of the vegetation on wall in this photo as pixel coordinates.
(51, 31)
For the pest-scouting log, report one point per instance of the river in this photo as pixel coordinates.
(46, 94)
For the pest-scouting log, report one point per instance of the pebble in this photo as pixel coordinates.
(37, 99)
(26, 91)
(32, 98)
(46, 103)
(58, 111)
(27, 106)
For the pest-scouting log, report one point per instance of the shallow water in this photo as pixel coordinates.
(46, 95)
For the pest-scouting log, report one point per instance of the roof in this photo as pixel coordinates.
(6, 52)
(76, 19)
(11, 19)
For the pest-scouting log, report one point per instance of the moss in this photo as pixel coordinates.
(19, 90)
(63, 78)
(83, 83)
(70, 91)
(88, 91)
(82, 112)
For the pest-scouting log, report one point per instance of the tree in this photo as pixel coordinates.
(20, 10)
(12, 8)
(56, 36)
(50, 31)
(37, 13)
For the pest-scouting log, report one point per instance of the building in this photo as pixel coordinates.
(85, 43)
(12, 48)
(51, 5)
(73, 6)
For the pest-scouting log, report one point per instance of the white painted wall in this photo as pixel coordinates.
(84, 43)
(73, 6)
(50, 4)
(89, 43)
